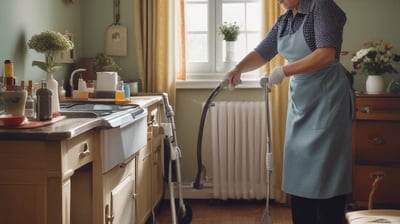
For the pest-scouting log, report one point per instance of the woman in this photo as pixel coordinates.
(317, 154)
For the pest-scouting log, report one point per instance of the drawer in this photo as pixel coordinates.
(377, 142)
(79, 151)
(388, 191)
(378, 108)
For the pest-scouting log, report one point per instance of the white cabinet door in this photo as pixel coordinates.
(123, 202)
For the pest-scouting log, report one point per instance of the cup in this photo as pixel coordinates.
(133, 88)
(13, 101)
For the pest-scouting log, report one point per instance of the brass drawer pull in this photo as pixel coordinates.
(366, 109)
(378, 141)
(377, 174)
(85, 152)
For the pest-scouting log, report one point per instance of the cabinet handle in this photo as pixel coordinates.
(108, 216)
(376, 175)
(366, 109)
(85, 152)
(378, 141)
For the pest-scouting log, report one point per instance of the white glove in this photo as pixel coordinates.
(276, 76)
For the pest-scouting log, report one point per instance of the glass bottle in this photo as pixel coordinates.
(43, 97)
(119, 93)
(30, 110)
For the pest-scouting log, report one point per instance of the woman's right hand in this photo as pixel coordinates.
(234, 76)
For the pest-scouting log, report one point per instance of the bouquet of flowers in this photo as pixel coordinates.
(375, 58)
(230, 31)
(49, 43)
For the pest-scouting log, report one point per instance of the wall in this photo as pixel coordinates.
(97, 15)
(86, 19)
(366, 20)
(21, 19)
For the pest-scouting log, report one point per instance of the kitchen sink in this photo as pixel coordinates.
(79, 114)
(124, 129)
(91, 110)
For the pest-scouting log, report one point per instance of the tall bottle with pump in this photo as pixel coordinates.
(43, 97)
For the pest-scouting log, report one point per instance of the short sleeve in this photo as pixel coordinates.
(268, 47)
(329, 21)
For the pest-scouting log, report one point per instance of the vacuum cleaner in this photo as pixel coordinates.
(266, 218)
(184, 215)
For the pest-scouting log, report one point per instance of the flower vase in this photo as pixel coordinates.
(229, 54)
(52, 84)
(375, 84)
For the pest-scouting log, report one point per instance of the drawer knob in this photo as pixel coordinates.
(378, 141)
(85, 152)
(366, 109)
(376, 175)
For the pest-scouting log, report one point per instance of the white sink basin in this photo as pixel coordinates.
(121, 143)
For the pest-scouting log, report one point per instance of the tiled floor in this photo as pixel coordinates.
(226, 212)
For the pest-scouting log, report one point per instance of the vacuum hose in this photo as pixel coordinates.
(224, 83)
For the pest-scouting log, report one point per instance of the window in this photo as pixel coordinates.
(205, 48)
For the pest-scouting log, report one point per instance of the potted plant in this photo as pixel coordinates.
(375, 60)
(50, 43)
(103, 62)
(229, 31)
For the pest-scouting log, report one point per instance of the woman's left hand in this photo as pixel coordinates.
(276, 76)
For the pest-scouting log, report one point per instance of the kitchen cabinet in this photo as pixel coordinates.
(149, 184)
(47, 181)
(119, 194)
(376, 148)
(56, 173)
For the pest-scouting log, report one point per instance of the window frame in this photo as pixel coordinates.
(196, 71)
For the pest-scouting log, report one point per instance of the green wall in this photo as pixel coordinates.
(86, 19)
(20, 19)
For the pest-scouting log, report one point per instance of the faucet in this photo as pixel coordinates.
(71, 79)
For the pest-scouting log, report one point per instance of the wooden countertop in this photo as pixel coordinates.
(70, 127)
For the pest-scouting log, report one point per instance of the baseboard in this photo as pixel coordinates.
(189, 192)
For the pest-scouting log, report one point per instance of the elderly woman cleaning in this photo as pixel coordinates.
(317, 151)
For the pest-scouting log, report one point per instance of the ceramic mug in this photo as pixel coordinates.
(13, 101)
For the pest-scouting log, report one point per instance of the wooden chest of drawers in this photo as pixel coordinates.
(376, 148)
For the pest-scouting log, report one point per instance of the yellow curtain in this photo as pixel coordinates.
(154, 42)
(278, 105)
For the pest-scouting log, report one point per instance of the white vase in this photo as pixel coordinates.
(375, 84)
(52, 84)
(229, 54)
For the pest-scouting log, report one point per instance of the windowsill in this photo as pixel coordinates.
(211, 84)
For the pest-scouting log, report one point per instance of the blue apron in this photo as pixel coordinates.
(317, 154)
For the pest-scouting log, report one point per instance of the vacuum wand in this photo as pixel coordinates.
(226, 82)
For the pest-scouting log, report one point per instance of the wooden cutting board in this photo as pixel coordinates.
(116, 35)
(36, 124)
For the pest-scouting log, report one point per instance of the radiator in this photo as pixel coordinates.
(238, 142)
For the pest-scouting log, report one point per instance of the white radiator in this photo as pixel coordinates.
(238, 136)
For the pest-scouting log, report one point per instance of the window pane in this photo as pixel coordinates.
(197, 48)
(253, 16)
(198, 19)
(233, 12)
